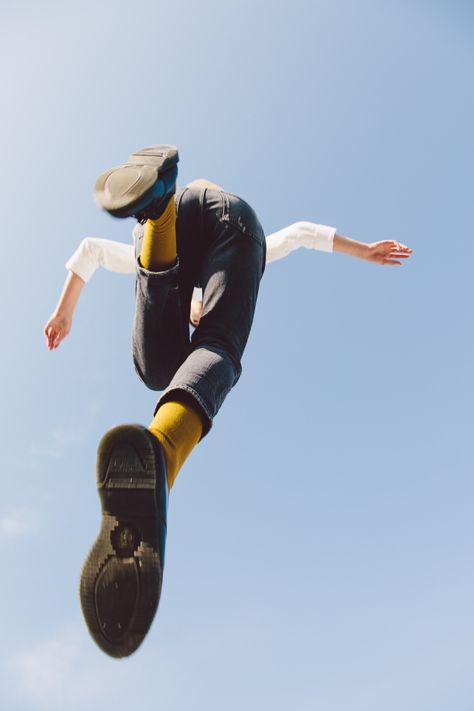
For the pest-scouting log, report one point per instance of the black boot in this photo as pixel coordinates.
(121, 579)
(142, 187)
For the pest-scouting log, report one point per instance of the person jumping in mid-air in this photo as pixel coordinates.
(199, 236)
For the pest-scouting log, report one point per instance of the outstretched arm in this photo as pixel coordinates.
(59, 324)
(91, 254)
(385, 252)
(323, 238)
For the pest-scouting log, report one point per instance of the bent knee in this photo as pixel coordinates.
(154, 379)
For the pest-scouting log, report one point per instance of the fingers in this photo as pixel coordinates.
(58, 338)
(390, 252)
(48, 329)
(392, 245)
(398, 247)
(49, 333)
(397, 251)
(53, 337)
(392, 258)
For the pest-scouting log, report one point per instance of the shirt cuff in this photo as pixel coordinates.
(324, 238)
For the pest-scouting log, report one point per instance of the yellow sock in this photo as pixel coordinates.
(178, 428)
(159, 241)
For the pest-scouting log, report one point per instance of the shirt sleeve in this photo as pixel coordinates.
(93, 253)
(299, 234)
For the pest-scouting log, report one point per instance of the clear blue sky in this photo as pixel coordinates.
(320, 551)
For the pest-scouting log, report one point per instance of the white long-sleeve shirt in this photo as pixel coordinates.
(93, 252)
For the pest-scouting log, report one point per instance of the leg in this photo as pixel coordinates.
(233, 244)
(163, 295)
(122, 576)
(161, 333)
(144, 188)
(160, 340)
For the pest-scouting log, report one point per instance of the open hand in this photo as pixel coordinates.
(387, 252)
(56, 329)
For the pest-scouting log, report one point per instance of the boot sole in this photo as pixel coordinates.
(121, 578)
(126, 189)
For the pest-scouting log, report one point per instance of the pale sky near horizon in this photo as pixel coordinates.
(321, 537)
